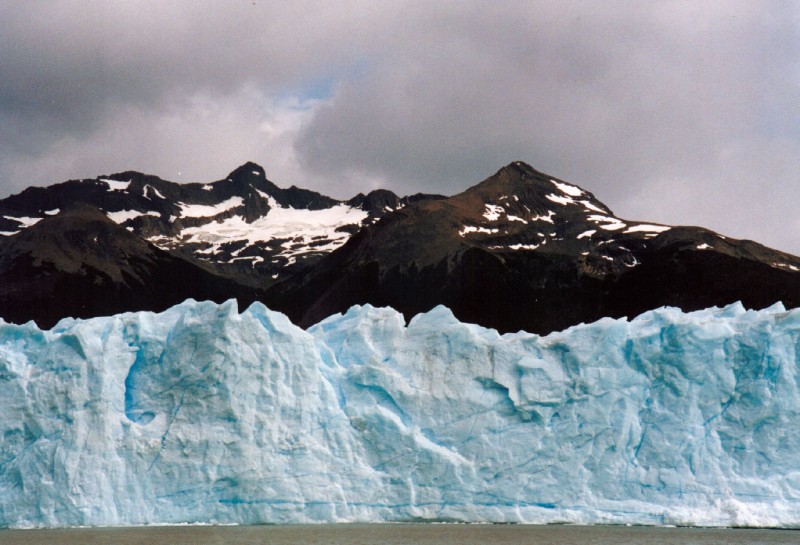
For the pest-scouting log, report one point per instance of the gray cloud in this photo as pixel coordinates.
(677, 111)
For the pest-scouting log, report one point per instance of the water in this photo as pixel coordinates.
(399, 534)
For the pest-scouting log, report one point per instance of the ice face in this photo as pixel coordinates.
(202, 414)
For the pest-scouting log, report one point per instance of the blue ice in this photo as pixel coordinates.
(204, 414)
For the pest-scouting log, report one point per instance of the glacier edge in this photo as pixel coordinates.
(204, 414)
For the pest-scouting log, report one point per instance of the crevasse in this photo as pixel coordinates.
(202, 414)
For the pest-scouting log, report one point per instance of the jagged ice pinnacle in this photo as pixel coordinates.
(202, 414)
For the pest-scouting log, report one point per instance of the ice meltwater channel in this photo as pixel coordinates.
(204, 414)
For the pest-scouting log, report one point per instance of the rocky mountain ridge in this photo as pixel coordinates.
(243, 225)
(525, 251)
(520, 250)
(80, 263)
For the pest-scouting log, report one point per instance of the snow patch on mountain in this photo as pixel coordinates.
(300, 230)
(116, 185)
(520, 246)
(647, 228)
(590, 207)
(546, 217)
(209, 211)
(467, 229)
(570, 190)
(607, 223)
(124, 215)
(150, 189)
(24, 221)
(492, 212)
(559, 199)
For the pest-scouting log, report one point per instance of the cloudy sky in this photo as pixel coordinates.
(682, 112)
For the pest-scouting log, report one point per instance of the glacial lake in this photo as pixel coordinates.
(399, 534)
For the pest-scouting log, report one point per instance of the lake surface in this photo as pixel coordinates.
(399, 534)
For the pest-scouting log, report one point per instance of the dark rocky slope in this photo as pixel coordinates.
(525, 251)
(519, 251)
(81, 264)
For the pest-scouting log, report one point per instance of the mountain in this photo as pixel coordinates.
(79, 263)
(525, 251)
(520, 250)
(242, 226)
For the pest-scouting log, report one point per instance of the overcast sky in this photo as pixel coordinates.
(682, 112)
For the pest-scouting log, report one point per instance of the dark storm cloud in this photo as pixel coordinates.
(681, 112)
(668, 111)
(72, 70)
(575, 90)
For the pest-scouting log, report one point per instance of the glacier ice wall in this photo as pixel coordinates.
(202, 414)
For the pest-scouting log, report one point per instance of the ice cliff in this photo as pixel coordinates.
(202, 414)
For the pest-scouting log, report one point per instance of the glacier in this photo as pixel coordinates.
(203, 414)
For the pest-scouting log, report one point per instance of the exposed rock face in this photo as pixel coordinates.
(520, 250)
(79, 263)
(525, 251)
(244, 225)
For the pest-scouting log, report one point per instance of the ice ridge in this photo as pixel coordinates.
(204, 414)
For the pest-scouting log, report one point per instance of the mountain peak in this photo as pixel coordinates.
(520, 167)
(78, 239)
(520, 250)
(248, 170)
(526, 251)
(529, 191)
